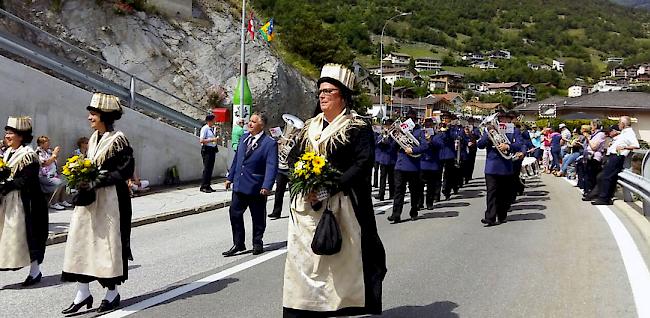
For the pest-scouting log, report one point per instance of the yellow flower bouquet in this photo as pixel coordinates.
(79, 169)
(4, 170)
(312, 173)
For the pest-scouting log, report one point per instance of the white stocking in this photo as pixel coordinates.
(34, 269)
(83, 291)
(111, 294)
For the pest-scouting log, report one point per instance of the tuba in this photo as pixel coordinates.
(287, 140)
(491, 124)
(403, 137)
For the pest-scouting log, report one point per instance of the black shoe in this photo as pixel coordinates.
(274, 216)
(29, 281)
(109, 305)
(430, 207)
(88, 302)
(207, 190)
(488, 223)
(502, 221)
(601, 202)
(394, 219)
(414, 217)
(447, 197)
(380, 198)
(233, 250)
(257, 250)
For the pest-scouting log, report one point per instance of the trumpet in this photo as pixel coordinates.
(403, 137)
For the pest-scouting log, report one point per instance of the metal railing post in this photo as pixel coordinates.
(132, 92)
(645, 173)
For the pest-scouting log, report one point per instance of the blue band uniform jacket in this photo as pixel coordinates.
(256, 168)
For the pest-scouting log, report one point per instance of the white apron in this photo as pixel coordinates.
(14, 251)
(94, 244)
(323, 282)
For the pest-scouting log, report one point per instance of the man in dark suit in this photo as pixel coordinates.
(252, 175)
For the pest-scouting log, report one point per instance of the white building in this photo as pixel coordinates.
(501, 54)
(398, 59)
(472, 57)
(577, 91)
(392, 75)
(485, 65)
(558, 65)
(428, 64)
(606, 86)
(615, 60)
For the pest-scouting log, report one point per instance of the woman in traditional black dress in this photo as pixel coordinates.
(350, 281)
(23, 208)
(98, 244)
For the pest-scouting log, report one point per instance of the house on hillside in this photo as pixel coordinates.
(624, 72)
(398, 59)
(558, 65)
(598, 105)
(521, 93)
(485, 65)
(477, 56)
(428, 64)
(369, 84)
(399, 106)
(614, 60)
(578, 90)
(391, 75)
(447, 81)
(454, 99)
(475, 107)
(500, 54)
(607, 86)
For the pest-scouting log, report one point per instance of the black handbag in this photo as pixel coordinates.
(327, 237)
(84, 197)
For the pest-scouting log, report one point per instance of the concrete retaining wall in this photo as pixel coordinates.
(58, 110)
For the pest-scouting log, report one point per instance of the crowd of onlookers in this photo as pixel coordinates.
(592, 155)
(53, 183)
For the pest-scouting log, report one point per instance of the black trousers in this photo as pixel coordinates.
(592, 169)
(375, 174)
(413, 180)
(609, 177)
(387, 174)
(517, 184)
(281, 181)
(432, 179)
(452, 177)
(468, 166)
(240, 202)
(208, 154)
(498, 196)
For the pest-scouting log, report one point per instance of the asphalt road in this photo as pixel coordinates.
(556, 257)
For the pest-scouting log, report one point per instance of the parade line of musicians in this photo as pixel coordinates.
(98, 247)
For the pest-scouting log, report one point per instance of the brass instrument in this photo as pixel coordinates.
(287, 140)
(457, 148)
(403, 137)
(491, 124)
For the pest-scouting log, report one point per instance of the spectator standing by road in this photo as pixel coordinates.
(82, 146)
(209, 150)
(621, 146)
(237, 132)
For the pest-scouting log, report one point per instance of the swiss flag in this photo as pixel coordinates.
(251, 26)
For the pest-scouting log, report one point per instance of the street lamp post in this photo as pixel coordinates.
(381, 62)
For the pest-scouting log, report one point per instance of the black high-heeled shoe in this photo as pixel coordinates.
(88, 302)
(29, 281)
(109, 305)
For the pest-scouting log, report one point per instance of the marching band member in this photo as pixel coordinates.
(431, 169)
(23, 207)
(98, 245)
(473, 134)
(386, 156)
(448, 153)
(498, 175)
(407, 171)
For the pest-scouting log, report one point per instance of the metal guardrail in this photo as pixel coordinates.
(637, 184)
(67, 68)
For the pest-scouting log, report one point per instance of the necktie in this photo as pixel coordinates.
(249, 144)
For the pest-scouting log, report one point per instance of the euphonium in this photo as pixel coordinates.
(491, 125)
(403, 137)
(287, 140)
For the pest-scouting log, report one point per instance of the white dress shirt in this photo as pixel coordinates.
(627, 138)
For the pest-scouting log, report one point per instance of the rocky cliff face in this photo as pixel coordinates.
(182, 57)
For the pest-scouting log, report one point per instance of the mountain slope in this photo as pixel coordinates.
(645, 4)
(334, 29)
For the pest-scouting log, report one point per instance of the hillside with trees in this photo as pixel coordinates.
(584, 31)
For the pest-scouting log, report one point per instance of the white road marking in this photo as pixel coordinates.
(636, 268)
(193, 285)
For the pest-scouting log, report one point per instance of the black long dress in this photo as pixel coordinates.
(35, 207)
(355, 160)
(120, 167)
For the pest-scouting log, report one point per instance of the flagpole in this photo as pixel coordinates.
(243, 58)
